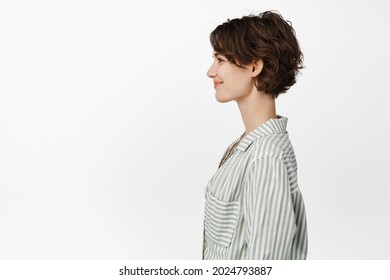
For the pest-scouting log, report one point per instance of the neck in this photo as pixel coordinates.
(256, 108)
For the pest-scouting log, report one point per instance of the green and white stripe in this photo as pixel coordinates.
(254, 208)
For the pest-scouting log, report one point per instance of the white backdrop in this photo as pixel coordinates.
(110, 131)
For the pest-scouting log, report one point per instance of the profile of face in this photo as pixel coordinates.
(230, 81)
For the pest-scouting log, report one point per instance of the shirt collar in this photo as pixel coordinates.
(272, 126)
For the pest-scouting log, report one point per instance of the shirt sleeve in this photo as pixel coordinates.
(268, 210)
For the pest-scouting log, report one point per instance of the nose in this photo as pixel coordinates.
(211, 73)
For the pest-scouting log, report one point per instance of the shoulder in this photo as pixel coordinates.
(276, 146)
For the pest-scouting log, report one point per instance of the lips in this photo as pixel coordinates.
(217, 83)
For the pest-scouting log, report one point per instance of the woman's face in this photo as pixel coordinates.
(230, 81)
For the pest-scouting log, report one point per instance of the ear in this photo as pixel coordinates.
(257, 67)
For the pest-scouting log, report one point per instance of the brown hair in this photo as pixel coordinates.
(268, 37)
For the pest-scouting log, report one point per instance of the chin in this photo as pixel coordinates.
(222, 99)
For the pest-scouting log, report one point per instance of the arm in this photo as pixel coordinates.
(268, 210)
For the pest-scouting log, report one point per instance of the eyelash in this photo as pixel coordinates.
(220, 60)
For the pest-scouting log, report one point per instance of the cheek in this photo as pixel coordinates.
(243, 83)
(236, 81)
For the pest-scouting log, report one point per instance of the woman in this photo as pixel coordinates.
(254, 208)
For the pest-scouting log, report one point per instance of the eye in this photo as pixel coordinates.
(220, 60)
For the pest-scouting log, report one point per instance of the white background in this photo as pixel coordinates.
(110, 131)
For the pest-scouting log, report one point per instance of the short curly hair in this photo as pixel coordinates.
(268, 37)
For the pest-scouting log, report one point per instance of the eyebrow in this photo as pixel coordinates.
(215, 54)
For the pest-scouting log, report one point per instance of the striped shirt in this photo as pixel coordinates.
(253, 207)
